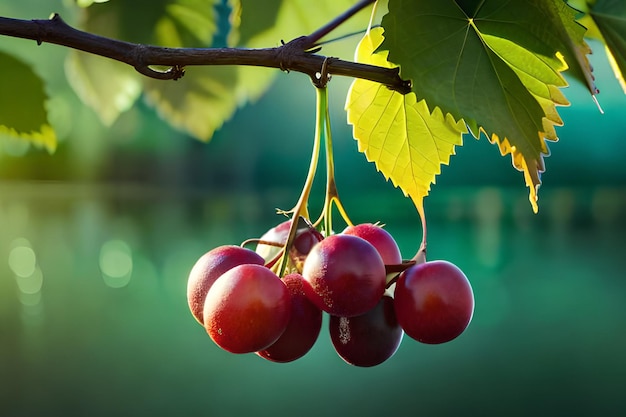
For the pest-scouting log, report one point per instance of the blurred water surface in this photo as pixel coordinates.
(94, 321)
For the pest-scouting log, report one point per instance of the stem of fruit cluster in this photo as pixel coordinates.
(420, 256)
(332, 195)
(301, 207)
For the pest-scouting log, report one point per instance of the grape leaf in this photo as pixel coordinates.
(571, 43)
(399, 134)
(22, 104)
(205, 97)
(610, 18)
(255, 20)
(110, 87)
(495, 64)
(198, 103)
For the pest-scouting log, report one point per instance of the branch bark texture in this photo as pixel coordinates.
(292, 56)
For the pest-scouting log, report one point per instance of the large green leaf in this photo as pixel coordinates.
(610, 18)
(496, 64)
(22, 104)
(400, 135)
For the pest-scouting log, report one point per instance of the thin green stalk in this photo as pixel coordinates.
(301, 207)
(332, 195)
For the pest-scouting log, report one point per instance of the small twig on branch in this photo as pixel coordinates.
(292, 56)
(313, 38)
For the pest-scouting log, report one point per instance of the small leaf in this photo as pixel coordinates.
(494, 64)
(400, 135)
(22, 104)
(610, 18)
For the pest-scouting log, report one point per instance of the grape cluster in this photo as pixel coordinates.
(245, 307)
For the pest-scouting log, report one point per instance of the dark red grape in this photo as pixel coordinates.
(306, 237)
(210, 267)
(303, 328)
(381, 239)
(344, 275)
(434, 302)
(247, 309)
(368, 339)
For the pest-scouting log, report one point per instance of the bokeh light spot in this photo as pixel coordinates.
(22, 259)
(31, 284)
(116, 263)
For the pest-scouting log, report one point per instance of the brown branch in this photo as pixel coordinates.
(291, 56)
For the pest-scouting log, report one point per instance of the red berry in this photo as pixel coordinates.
(303, 328)
(306, 237)
(247, 309)
(368, 339)
(434, 302)
(381, 239)
(209, 268)
(345, 275)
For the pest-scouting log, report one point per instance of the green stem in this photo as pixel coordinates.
(301, 207)
(332, 195)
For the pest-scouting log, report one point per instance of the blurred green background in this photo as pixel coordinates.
(96, 242)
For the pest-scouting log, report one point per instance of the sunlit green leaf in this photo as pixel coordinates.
(22, 104)
(400, 135)
(494, 64)
(610, 18)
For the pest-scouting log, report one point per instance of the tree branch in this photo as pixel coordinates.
(291, 56)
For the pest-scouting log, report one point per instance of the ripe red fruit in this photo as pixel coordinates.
(303, 328)
(434, 302)
(247, 309)
(306, 237)
(344, 275)
(381, 239)
(368, 339)
(209, 268)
